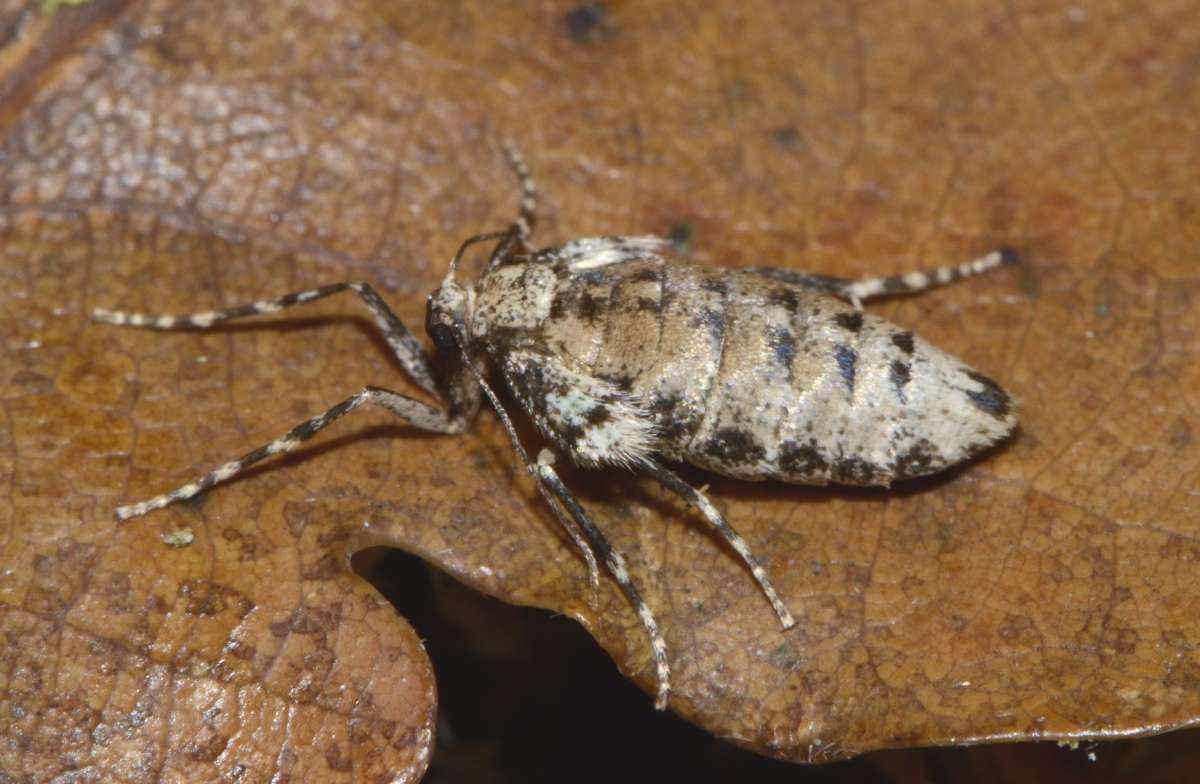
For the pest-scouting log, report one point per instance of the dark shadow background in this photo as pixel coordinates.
(526, 696)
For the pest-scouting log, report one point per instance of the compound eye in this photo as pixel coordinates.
(443, 338)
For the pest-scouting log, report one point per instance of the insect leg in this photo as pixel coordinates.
(416, 413)
(912, 282)
(403, 343)
(519, 232)
(577, 537)
(697, 499)
(825, 283)
(909, 283)
(616, 566)
(527, 216)
(567, 523)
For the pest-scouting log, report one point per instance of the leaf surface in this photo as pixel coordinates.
(174, 157)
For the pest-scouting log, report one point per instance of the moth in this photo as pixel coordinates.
(624, 355)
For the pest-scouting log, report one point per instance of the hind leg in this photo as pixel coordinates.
(908, 283)
(700, 502)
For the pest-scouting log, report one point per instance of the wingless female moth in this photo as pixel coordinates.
(626, 356)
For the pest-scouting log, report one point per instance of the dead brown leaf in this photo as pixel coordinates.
(182, 156)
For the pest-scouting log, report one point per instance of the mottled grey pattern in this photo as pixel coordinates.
(740, 372)
(622, 354)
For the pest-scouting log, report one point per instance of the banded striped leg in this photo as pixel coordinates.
(567, 523)
(616, 567)
(527, 216)
(697, 499)
(416, 413)
(519, 232)
(401, 340)
(909, 283)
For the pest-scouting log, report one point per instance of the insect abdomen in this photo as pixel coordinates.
(757, 379)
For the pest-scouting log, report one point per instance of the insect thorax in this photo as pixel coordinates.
(514, 297)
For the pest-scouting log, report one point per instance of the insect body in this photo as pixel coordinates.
(624, 356)
(620, 352)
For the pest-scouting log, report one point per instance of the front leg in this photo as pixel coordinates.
(402, 342)
(416, 413)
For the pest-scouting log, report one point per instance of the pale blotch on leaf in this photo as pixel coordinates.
(180, 537)
(50, 7)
